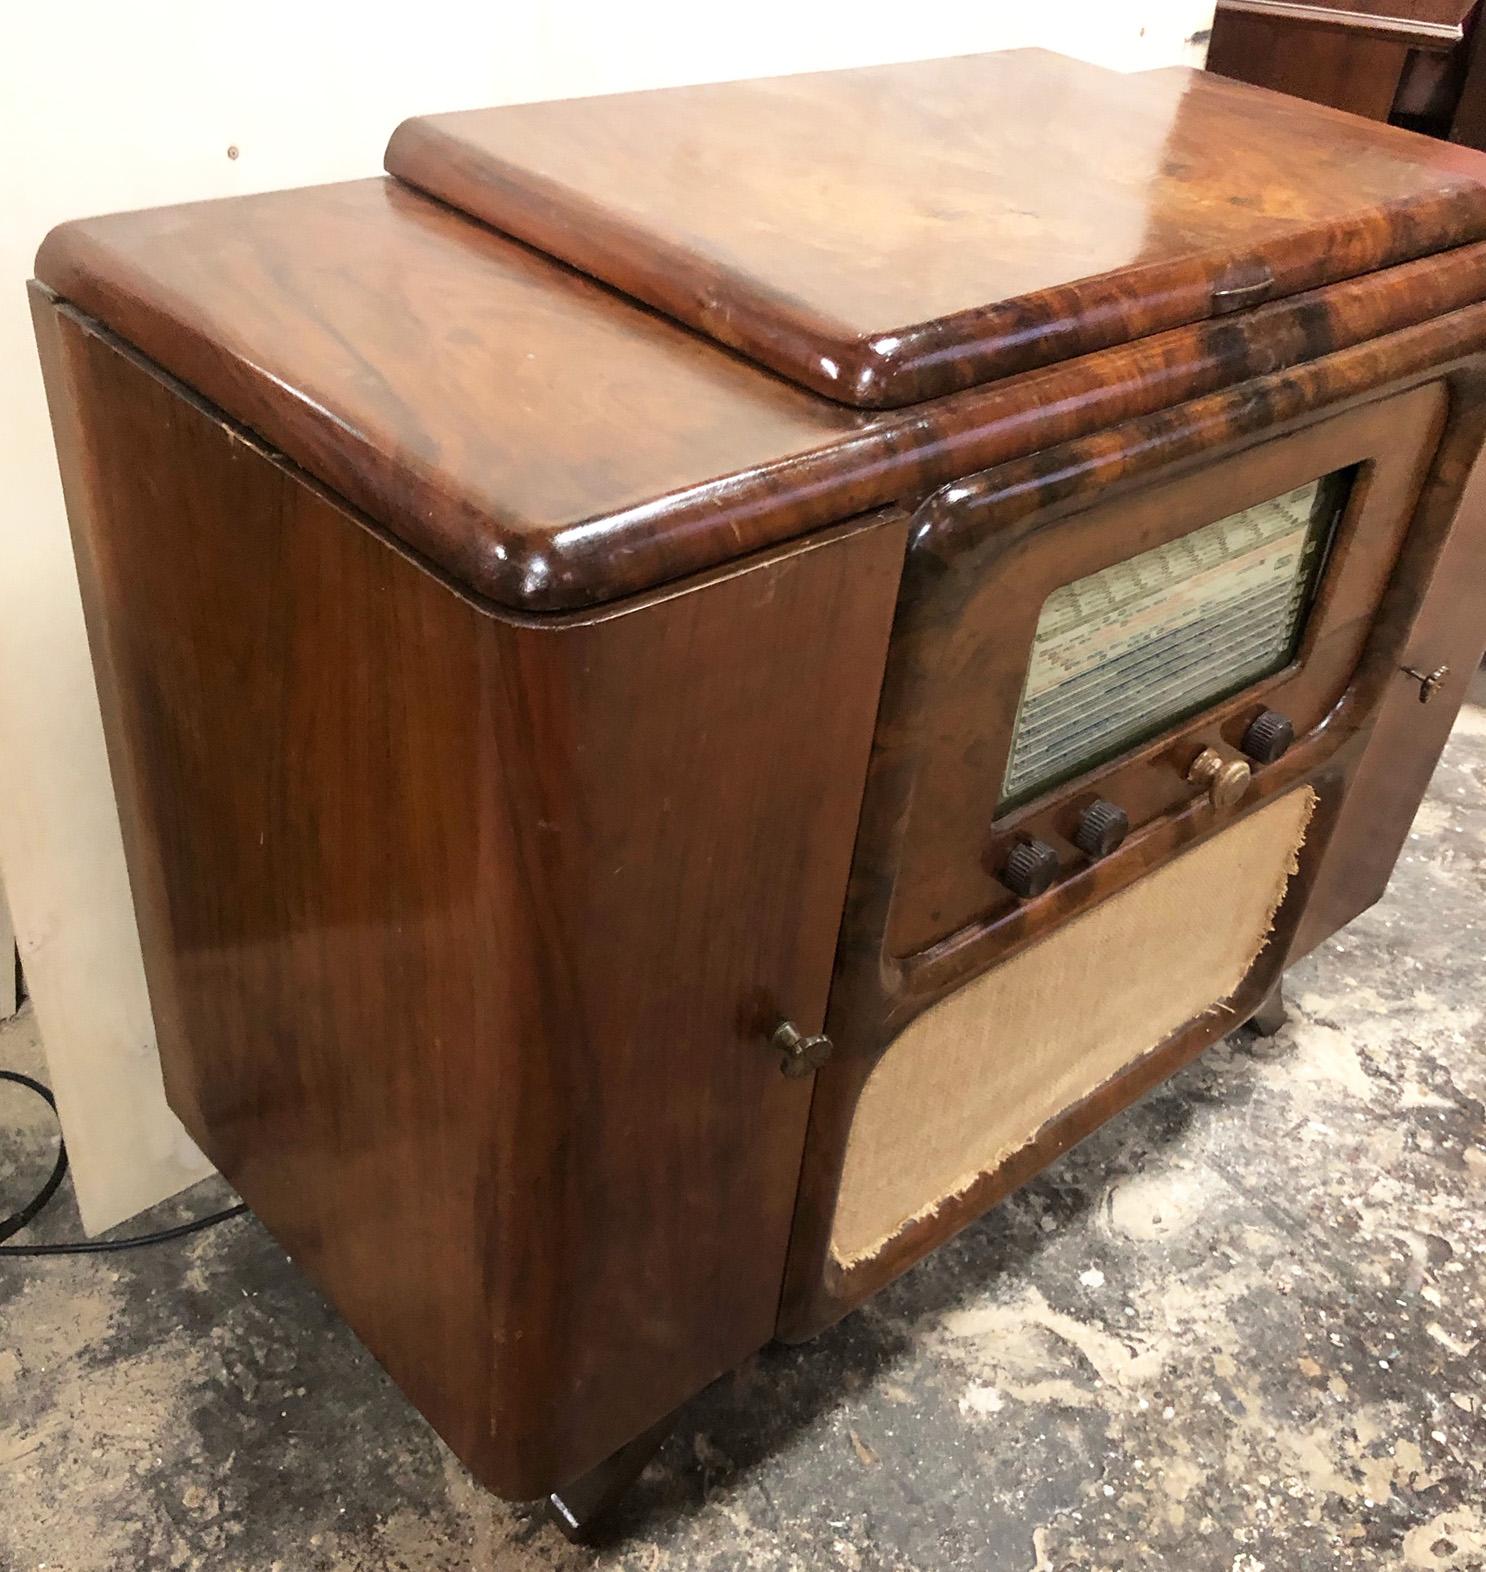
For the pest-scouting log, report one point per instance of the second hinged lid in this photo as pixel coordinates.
(893, 234)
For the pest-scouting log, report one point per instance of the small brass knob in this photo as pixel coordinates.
(803, 1054)
(1224, 780)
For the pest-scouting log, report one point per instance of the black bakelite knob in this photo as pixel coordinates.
(1268, 737)
(1031, 867)
(1101, 828)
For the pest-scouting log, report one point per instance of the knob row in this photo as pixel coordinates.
(1032, 865)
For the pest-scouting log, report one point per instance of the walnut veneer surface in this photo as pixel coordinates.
(463, 950)
(413, 359)
(954, 220)
(520, 701)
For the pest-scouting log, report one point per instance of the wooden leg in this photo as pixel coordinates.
(1271, 1015)
(578, 1507)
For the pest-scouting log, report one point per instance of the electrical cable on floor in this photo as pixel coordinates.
(18, 1220)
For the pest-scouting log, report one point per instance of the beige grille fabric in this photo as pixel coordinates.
(974, 1078)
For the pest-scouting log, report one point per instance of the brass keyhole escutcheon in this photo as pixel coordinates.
(1224, 780)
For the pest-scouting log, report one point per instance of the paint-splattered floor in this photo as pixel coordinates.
(1241, 1329)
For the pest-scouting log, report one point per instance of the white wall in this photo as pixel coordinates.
(108, 106)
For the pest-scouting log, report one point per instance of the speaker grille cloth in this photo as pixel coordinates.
(976, 1077)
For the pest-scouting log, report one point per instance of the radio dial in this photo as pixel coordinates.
(1101, 828)
(1030, 868)
(1268, 737)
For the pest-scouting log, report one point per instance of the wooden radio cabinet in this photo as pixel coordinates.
(701, 682)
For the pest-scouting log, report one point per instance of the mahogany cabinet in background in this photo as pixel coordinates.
(1415, 63)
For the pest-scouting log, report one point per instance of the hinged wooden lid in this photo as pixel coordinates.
(889, 235)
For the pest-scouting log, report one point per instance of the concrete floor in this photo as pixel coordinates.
(1240, 1329)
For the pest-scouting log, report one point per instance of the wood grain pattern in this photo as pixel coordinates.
(956, 220)
(946, 879)
(951, 603)
(1424, 13)
(1343, 68)
(421, 388)
(1441, 624)
(1430, 27)
(464, 949)
(491, 665)
(972, 1079)
(1409, 64)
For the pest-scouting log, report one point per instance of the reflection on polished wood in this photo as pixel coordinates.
(916, 925)
(521, 702)
(954, 220)
(464, 937)
(423, 393)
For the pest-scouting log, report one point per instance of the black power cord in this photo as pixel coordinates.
(18, 1220)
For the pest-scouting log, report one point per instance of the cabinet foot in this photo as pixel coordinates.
(579, 1507)
(1272, 1014)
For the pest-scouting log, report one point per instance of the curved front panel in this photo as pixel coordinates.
(971, 1081)
(1130, 684)
(1097, 652)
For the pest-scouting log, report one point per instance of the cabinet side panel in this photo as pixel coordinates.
(293, 722)
(1447, 628)
(463, 935)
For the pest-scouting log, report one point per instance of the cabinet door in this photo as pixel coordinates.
(466, 933)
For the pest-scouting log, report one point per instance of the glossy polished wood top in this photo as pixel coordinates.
(898, 233)
(476, 398)
(552, 445)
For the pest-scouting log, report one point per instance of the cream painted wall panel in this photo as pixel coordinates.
(133, 105)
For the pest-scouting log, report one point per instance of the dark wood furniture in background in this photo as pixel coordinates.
(509, 684)
(1416, 63)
